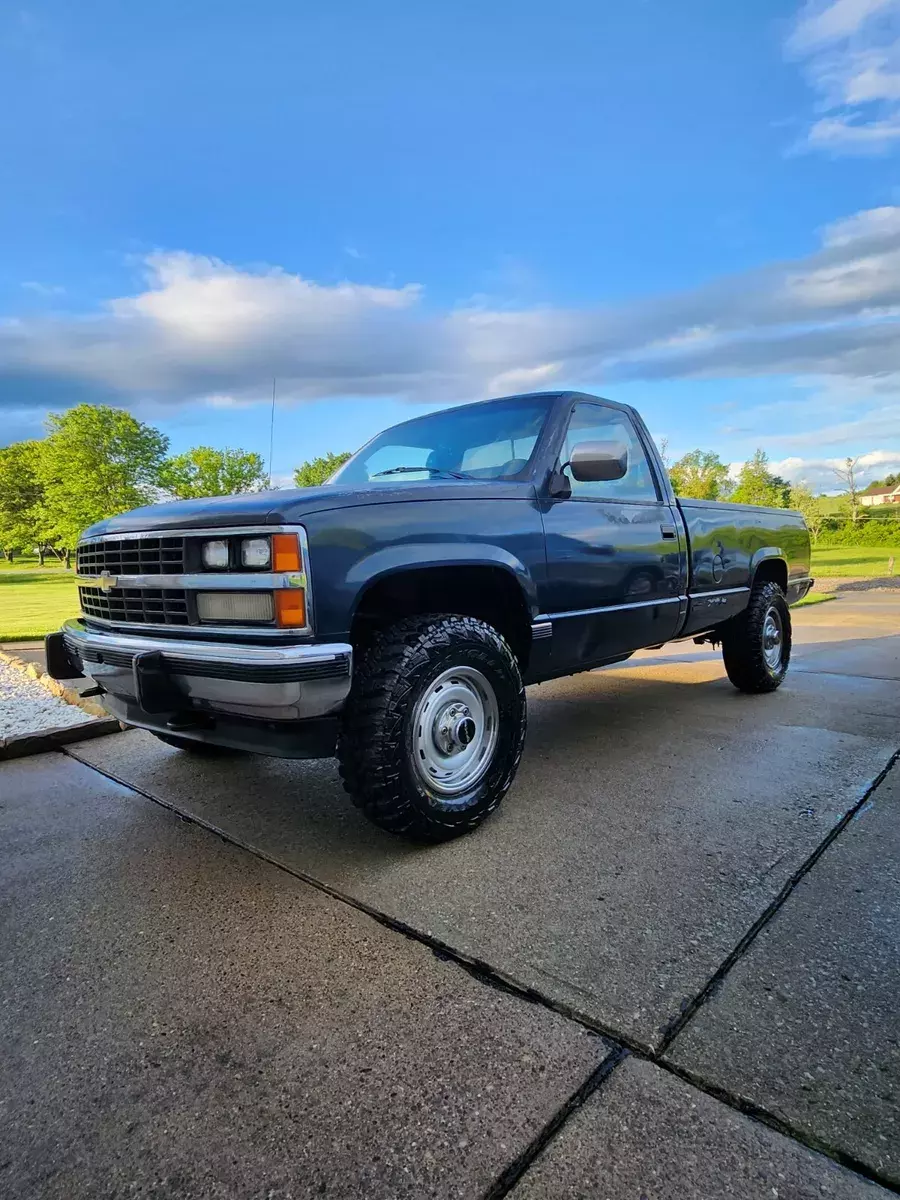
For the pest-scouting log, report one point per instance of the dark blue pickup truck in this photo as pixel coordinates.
(394, 616)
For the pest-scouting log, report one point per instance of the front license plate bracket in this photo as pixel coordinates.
(153, 687)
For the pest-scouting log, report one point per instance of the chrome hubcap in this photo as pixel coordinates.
(454, 731)
(772, 639)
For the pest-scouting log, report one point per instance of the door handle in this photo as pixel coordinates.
(669, 532)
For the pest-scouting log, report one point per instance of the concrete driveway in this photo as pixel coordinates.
(667, 967)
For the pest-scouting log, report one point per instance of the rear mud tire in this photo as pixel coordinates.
(380, 752)
(756, 645)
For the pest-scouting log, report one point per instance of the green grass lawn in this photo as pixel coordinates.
(814, 598)
(855, 560)
(29, 562)
(35, 602)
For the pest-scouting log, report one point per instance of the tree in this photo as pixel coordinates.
(847, 475)
(21, 496)
(802, 498)
(700, 475)
(204, 471)
(95, 462)
(889, 481)
(757, 485)
(319, 470)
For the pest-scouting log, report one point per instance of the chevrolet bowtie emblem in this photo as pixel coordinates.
(106, 581)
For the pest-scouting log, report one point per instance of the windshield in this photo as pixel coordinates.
(480, 441)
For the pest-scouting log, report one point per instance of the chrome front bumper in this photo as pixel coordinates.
(271, 683)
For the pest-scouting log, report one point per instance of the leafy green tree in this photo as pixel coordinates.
(803, 499)
(21, 497)
(204, 471)
(700, 475)
(319, 470)
(96, 461)
(757, 485)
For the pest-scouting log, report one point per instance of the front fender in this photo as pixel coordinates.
(411, 556)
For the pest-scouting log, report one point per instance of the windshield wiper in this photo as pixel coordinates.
(433, 470)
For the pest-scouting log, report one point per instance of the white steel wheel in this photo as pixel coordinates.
(454, 732)
(434, 725)
(756, 644)
(773, 639)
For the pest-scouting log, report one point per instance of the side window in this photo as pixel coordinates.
(499, 458)
(594, 423)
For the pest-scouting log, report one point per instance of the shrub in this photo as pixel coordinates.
(863, 533)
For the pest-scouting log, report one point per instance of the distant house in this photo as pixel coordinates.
(880, 496)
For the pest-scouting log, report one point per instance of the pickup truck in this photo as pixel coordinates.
(393, 616)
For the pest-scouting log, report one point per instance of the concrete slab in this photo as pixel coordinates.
(807, 1025)
(180, 1019)
(876, 658)
(647, 1134)
(656, 814)
(31, 652)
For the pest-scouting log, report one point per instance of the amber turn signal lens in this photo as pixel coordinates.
(286, 552)
(290, 606)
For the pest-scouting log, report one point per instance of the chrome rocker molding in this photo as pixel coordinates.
(605, 608)
(735, 591)
(273, 683)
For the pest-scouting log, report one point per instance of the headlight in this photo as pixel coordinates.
(256, 552)
(215, 554)
(235, 606)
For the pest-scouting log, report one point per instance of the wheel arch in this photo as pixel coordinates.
(494, 588)
(769, 565)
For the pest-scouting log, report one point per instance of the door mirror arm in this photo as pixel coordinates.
(560, 488)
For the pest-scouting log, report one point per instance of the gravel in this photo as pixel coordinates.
(26, 707)
(857, 583)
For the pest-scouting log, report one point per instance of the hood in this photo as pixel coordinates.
(289, 506)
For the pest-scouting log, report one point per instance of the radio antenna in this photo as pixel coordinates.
(271, 432)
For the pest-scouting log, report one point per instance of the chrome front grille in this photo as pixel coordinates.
(132, 556)
(142, 606)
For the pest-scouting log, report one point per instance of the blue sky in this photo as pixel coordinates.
(691, 207)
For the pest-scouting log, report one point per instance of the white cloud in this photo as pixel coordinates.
(525, 379)
(199, 329)
(871, 222)
(841, 134)
(821, 24)
(881, 422)
(850, 50)
(819, 473)
(43, 289)
(283, 480)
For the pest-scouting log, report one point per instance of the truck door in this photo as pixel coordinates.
(615, 551)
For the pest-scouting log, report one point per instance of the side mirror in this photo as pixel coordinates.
(599, 462)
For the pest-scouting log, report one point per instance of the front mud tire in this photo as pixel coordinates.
(394, 705)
